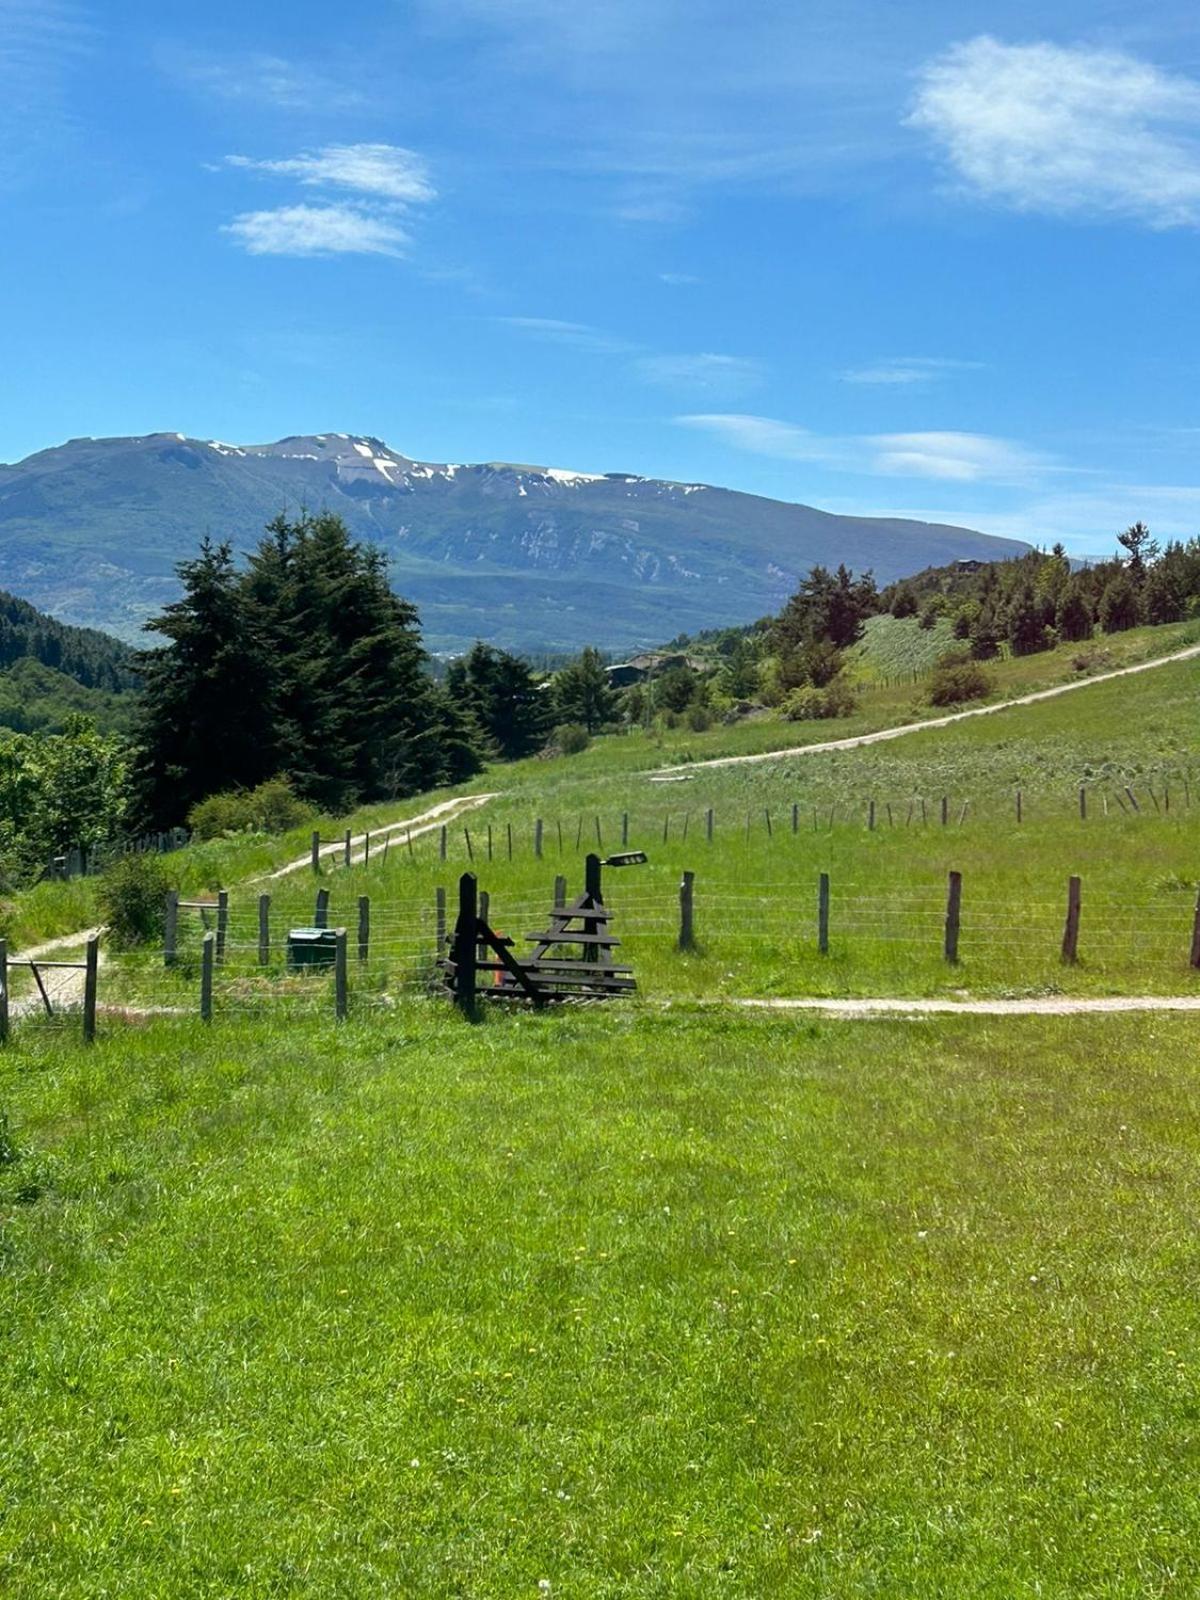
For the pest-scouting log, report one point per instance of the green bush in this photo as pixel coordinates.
(810, 704)
(957, 677)
(274, 807)
(131, 898)
(570, 739)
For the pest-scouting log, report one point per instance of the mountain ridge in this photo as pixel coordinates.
(524, 556)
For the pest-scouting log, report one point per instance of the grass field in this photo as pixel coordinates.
(681, 1304)
(663, 1298)
(756, 890)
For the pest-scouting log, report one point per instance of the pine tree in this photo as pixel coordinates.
(581, 692)
(1119, 605)
(207, 702)
(502, 695)
(1073, 616)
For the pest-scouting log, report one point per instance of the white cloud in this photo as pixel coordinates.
(579, 335)
(262, 79)
(1047, 128)
(714, 373)
(317, 231)
(945, 456)
(384, 171)
(905, 371)
(42, 44)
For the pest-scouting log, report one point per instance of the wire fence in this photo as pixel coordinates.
(809, 935)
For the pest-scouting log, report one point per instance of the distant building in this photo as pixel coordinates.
(648, 665)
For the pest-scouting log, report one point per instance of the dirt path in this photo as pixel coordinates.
(64, 986)
(858, 740)
(1035, 1006)
(425, 822)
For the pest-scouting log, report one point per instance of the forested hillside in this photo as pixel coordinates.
(50, 671)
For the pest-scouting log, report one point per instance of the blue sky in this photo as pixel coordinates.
(938, 259)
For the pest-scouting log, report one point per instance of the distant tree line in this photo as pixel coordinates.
(91, 658)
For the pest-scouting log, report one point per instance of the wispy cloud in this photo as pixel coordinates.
(317, 231)
(1054, 129)
(579, 335)
(385, 171)
(945, 456)
(703, 373)
(906, 371)
(679, 280)
(42, 42)
(259, 79)
(389, 180)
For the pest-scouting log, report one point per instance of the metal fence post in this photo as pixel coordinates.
(222, 923)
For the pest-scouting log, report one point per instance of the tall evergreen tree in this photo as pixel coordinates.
(581, 692)
(504, 698)
(207, 704)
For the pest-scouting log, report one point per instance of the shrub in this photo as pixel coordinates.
(274, 807)
(699, 718)
(220, 814)
(957, 677)
(131, 898)
(810, 704)
(570, 739)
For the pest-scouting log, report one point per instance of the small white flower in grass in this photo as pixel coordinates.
(414, 1462)
(543, 1585)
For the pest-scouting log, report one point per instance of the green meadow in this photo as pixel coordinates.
(660, 1298)
(636, 1303)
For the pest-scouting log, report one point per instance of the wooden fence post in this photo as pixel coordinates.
(442, 844)
(364, 926)
(348, 848)
(316, 852)
(340, 995)
(489, 841)
(171, 928)
(206, 977)
(687, 931)
(91, 971)
(1018, 805)
(1070, 943)
(945, 810)
(321, 910)
(592, 881)
(1195, 957)
(823, 914)
(537, 838)
(624, 828)
(560, 891)
(367, 849)
(464, 952)
(440, 922)
(4, 989)
(264, 930)
(508, 825)
(871, 815)
(467, 837)
(1082, 804)
(1132, 798)
(708, 824)
(953, 917)
(222, 923)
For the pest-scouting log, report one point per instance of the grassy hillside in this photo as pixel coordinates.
(658, 1299)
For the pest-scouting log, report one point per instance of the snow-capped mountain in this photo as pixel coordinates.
(525, 556)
